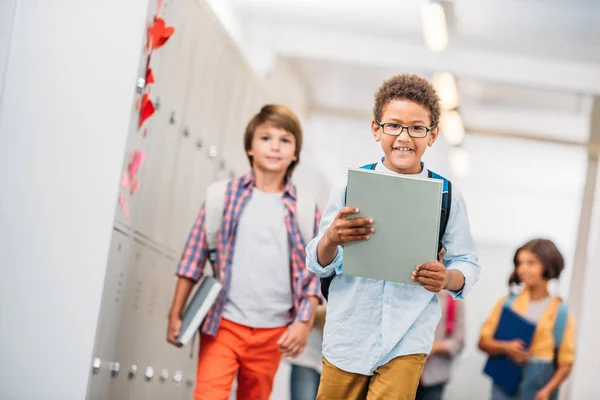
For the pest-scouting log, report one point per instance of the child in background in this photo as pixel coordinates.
(267, 304)
(546, 364)
(306, 368)
(449, 342)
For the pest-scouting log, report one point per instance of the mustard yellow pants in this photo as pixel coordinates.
(396, 380)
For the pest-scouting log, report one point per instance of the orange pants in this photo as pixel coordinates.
(251, 352)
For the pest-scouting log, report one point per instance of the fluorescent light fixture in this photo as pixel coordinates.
(452, 127)
(445, 86)
(460, 162)
(435, 29)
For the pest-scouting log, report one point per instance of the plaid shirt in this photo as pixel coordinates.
(304, 283)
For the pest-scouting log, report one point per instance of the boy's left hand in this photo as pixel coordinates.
(293, 341)
(432, 276)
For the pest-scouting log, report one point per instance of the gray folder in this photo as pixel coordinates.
(406, 212)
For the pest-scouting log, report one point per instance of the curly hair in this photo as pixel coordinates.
(408, 87)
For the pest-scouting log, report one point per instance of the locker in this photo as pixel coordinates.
(195, 166)
(110, 311)
(232, 138)
(207, 95)
(135, 140)
(165, 135)
(127, 387)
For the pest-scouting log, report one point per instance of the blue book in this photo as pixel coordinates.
(503, 371)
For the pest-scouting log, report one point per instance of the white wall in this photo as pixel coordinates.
(64, 114)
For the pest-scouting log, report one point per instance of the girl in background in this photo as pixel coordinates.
(546, 363)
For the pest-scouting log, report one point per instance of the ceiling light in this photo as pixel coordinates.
(445, 86)
(435, 29)
(452, 127)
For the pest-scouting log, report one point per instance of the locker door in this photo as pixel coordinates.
(150, 331)
(170, 87)
(232, 143)
(220, 120)
(135, 139)
(250, 105)
(127, 340)
(207, 124)
(109, 318)
(193, 159)
(172, 359)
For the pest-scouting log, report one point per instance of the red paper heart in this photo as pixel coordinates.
(124, 205)
(159, 33)
(134, 164)
(147, 110)
(149, 76)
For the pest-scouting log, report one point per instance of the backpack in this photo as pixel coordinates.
(214, 210)
(560, 323)
(446, 203)
(450, 316)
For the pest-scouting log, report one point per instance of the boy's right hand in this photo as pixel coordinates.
(516, 351)
(343, 230)
(173, 330)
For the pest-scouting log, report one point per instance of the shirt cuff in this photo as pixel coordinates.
(469, 272)
(313, 265)
(305, 310)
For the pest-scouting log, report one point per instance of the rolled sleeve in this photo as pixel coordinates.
(337, 201)
(304, 310)
(460, 248)
(313, 265)
(195, 252)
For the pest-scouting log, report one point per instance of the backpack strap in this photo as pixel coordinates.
(305, 216)
(509, 299)
(446, 204)
(560, 323)
(213, 214)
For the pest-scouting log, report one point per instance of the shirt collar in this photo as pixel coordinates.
(247, 180)
(382, 168)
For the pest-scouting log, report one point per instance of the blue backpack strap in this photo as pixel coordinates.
(446, 203)
(509, 300)
(369, 166)
(560, 323)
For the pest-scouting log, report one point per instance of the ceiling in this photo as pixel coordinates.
(536, 62)
(528, 68)
(553, 29)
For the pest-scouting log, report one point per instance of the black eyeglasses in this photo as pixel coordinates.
(395, 129)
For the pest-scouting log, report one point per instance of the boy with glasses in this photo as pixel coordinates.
(377, 334)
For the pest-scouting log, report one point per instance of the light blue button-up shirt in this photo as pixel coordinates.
(370, 322)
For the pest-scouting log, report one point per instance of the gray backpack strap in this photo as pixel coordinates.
(213, 214)
(305, 216)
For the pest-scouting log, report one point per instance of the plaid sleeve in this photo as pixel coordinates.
(311, 285)
(195, 252)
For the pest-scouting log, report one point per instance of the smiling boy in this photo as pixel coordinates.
(377, 333)
(267, 304)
